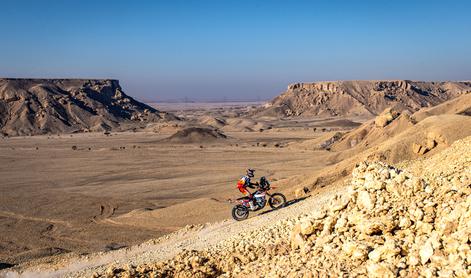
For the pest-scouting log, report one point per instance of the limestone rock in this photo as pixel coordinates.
(386, 117)
(297, 240)
(301, 192)
(426, 252)
(416, 148)
(306, 227)
(365, 200)
(430, 143)
(380, 270)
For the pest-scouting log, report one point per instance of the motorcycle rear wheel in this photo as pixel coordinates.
(240, 212)
(277, 200)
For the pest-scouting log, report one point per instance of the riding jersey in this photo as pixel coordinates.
(243, 183)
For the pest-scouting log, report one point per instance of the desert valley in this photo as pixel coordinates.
(95, 183)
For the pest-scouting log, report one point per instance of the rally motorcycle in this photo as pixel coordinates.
(275, 200)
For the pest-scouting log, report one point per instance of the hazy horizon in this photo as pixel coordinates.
(234, 50)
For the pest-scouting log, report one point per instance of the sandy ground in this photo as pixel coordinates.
(91, 192)
(197, 237)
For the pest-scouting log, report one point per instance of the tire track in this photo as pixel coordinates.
(18, 216)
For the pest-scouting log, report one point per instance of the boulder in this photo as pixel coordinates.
(301, 192)
(387, 116)
(416, 148)
(380, 270)
(365, 200)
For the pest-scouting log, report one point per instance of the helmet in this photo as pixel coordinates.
(250, 173)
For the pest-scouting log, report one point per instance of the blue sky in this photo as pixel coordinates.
(234, 49)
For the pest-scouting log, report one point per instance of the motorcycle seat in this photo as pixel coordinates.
(243, 198)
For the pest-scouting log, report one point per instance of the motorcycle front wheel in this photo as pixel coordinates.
(240, 212)
(277, 200)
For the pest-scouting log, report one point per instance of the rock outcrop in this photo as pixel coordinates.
(386, 117)
(431, 141)
(53, 106)
(393, 224)
(360, 98)
(196, 135)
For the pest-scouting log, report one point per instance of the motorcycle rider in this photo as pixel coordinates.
(245, 182)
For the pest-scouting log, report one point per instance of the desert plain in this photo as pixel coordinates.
(95, 183)
(93, 191)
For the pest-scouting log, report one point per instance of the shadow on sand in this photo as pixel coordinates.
(5, 265)
(288, 203)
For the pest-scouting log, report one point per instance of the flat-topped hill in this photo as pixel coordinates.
(44, 106)
(360, 98)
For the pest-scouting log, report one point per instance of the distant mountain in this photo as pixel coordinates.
(52, 106)
(360, 98)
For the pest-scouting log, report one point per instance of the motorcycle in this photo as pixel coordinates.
(275, 200)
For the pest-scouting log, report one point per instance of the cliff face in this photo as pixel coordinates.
(43, 106)
(360, 98)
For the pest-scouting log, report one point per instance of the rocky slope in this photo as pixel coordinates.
(392, 137)
(360, 98)
(391, 222)
(460, 105)
(44, 106)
